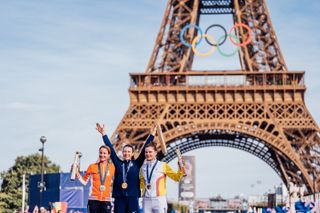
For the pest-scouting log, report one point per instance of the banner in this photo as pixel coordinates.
(187, 187)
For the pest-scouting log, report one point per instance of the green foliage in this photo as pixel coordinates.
(4, 204)
(11, 188)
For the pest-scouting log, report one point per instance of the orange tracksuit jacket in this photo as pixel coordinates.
(93, 173)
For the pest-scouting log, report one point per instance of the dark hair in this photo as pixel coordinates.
(128, 145)
(105, 147)
(132, 148)
(153, 145)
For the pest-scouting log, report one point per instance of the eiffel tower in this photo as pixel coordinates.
(265, 114)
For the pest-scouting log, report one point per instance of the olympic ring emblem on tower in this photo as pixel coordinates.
(211, 41)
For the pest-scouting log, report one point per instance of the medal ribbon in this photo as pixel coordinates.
(103, 179)
(149, 176)
(124, 173)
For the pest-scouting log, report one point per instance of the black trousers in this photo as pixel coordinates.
(96, 206)
(126, 205)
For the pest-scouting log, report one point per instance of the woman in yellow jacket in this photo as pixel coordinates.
(153, 176)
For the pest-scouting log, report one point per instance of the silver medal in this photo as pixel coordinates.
(102, 188)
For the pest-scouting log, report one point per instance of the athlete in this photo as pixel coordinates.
(101, 174)
(153, 176)
(126, 185)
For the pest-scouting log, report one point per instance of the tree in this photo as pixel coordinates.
(11, 187)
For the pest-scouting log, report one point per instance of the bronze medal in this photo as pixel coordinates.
(148, 186)
(148, 179)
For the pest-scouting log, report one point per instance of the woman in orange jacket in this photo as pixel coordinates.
(101, 175)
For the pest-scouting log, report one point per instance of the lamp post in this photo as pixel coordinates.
(41, 184)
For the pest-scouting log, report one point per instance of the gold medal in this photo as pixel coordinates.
(124, 185)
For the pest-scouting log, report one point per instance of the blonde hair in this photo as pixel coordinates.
(105, 147)
(153, 145)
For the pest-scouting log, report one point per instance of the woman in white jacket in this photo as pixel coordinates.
(153, 175)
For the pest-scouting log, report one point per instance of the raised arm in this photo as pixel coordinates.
(141, 157)
(113, 155)
(176, 176)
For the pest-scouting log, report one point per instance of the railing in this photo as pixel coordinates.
(216, 7)
(219, 78)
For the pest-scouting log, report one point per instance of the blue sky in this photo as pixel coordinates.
(64, 65)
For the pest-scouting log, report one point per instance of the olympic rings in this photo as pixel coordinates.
(225, 34)
(196, 52)
(249, 32)
(210, 40)
(184, 30)
(228, 54)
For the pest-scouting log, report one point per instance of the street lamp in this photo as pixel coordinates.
(41, 184)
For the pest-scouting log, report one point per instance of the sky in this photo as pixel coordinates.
(64, 66)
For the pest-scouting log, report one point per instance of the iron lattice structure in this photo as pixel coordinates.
(263, 114)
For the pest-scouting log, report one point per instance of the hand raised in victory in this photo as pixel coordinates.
(100, 128)
(154, 130)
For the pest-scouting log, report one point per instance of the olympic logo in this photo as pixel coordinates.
(216, 45)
